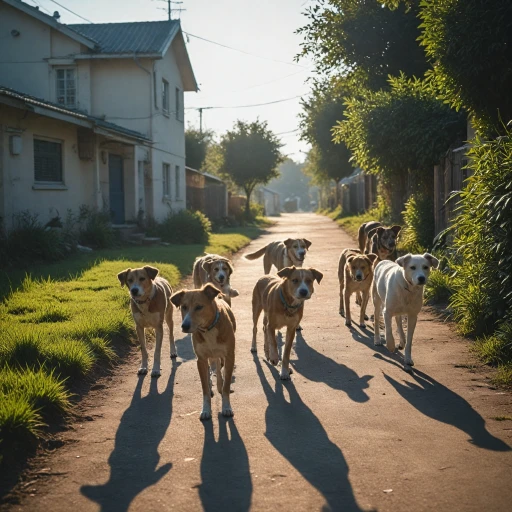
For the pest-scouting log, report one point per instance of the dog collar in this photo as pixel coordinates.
(217, 316)
(285, 304)
(149, 299)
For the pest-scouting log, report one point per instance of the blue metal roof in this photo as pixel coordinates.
(146, 37)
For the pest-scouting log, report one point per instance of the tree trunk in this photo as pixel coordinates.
(248, 193)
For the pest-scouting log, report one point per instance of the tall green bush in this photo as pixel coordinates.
(182, 227)
(419, 230)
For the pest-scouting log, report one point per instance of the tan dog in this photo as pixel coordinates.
(378, 239)
(213, 327)
(289, 253)
(151, 305)
(215, 269)
(355, 274)
(282, 301)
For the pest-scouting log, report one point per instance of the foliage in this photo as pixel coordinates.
(483, 238)
(419, 230)
(96, 228)
(182, 227)
(196, 146)
(439, 287)
(468, 41)
(251, 155)
(292, 182)
(327, 160)
(362, 41)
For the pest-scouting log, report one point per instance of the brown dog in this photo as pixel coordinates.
(282, 301)
(213, 327)
(289, 253)
(150, 302)
(377, 239)
(355, 274)
(215, 269)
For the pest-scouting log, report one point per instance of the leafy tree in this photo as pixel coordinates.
(470, 44)
(330, 160)
(196, 146)
(250, 156)
(292, 182)
(364, 41)
(401, 133)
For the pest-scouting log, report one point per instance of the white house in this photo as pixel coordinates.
(101, 105)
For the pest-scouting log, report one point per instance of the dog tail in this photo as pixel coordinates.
(362, 238)
(257, 254)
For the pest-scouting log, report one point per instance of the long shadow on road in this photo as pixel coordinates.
(319, 368)
(134, 460)
(297, 434)
(225, 478)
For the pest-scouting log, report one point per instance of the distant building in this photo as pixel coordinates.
(270, 199)
(206, 193)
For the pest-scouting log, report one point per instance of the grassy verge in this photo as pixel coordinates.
(60, 321)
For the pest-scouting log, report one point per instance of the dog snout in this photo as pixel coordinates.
(134, 291)
(301, 254)
(421, 279)
(185, 325)
(303, 292)
(222, 277)
(359, 276)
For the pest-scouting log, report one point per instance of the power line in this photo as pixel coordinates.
(243, 51)
(289, 131)
(72, 12)
(246, 106)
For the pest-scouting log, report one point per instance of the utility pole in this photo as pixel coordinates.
(170, 10)
(200, 120)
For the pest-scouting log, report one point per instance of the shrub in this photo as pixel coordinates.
(96, 228)
(184, 227)
(418, 233)
(439, 287)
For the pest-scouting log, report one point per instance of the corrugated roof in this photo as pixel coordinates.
(146, 37)
(55, 107)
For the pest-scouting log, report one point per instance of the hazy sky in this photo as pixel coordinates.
(227, 78)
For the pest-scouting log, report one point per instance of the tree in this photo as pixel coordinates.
(470, 45)
(196, 147)
(250, 154)
(400, 134)
(364, 41)
(292, 182)
(321, 112)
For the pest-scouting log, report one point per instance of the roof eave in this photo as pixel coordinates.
(188, 77)
(87, 56)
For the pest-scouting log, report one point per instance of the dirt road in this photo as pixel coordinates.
(351, 431)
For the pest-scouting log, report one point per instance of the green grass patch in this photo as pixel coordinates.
(439, 287)
(60, 320)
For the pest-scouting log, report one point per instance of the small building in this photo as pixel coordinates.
(270, 199)
(357, 192)
(206, 193)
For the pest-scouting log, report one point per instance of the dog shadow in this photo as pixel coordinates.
(440, 403)
(134, 460)
(316, 367)
(225, 478)
(185, 349)
(297, 434)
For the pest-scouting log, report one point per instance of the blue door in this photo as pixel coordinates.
(116, 188)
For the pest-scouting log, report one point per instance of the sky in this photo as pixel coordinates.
(266, 72)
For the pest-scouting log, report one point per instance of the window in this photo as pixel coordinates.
(165, 96)
(47, 161)
(66, 87)
(177, 181)
(178, 104)
(155, 89)
(166, 171)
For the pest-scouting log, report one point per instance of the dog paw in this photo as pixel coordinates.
(342, 313)
(299, 328)
(273, 361)
(254, 350)
(378, 342)
(284, 375)
(206, 415)
(366, 317)
(401, 346)
(363, 325)
(348, 323)
(390, 346)
(174, 355)
(409, 362)
(408, 368)
(142, 371)
(155, 373)
(227, 412)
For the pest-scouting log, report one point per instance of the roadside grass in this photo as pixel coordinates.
(60, 321)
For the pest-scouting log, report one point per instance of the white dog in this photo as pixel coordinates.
(397, 291)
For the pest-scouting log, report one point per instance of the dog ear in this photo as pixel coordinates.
(152, 272)
(288, 242)
(379, 230)
(434, 262)
(396, 229)
(371, 233)
(207, 266)
(307, 242)
(372, 257)
(177, 298)
(316, 274)
(122, 276)
(402, 261)
(210, 291)
(350, 258)
(286, 272)
(230, 267)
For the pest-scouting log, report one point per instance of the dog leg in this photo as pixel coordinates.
(348, 316)
(170, 324)
(342, 287)
(362, 313)
(142, 340)
(359, 299)
(265, 335)
(229, 364)
(411, 325)
(256, 312)
(286, 371)
(273, 355)
(401, 334)
(390, 339)
(159, 334)
(218, 372)
(377, 304)
(204, 374)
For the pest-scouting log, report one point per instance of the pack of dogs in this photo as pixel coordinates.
(374, 269)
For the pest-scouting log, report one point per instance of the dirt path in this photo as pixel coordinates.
(350, 432)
